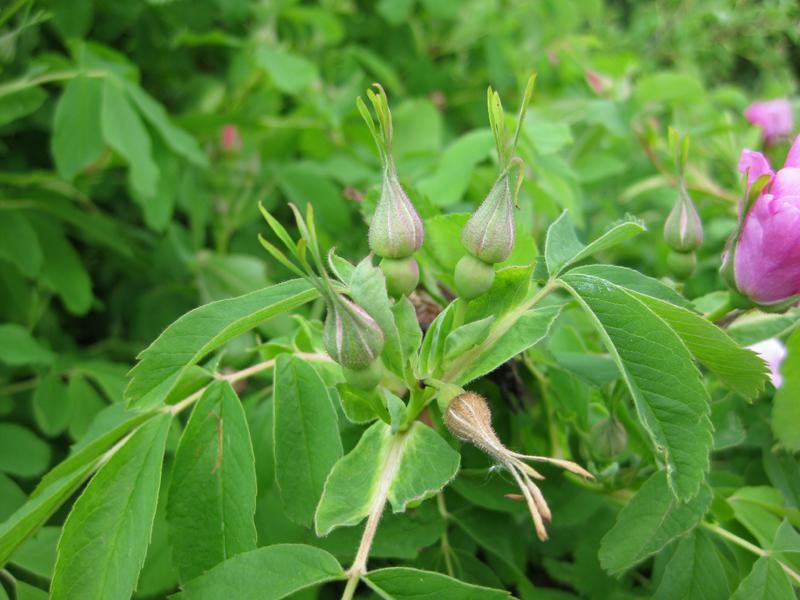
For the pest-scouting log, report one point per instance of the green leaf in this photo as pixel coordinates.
(755, 326)
(694, 572)
(635, 281)
(22, 453)
(18, 347)
(85, 402)
(407, 323)
(176, 138)
(787, 539)
(766, 581)
(212, 491)
(741, 370)
(368, 288)
(269, 573)
(466, 337)
(20, 104)
(670, 398)
(123, 130)
(786, 404)
(51, 405)
(650, 520)
(77, 140)
(62, 269)
(306, 436)
(447, 185)
(290, 72)
(529, 329)
(403, 467)
(401, 583)
(11, 498)
(19, 244)
(202, 330)
(106, 534)
(562, 247)
(58, 485)
(548, 136)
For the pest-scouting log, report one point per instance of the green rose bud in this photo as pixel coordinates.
(402, 275)
(350, 335)
(683, 229)
(365, 379)
(489, 233)
(681, 264)
(472, 277)
(396, 229)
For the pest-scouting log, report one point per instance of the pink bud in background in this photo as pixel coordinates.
(766, 260)
(597, 82)
(773, 352)
(774, 117)
(230, 140)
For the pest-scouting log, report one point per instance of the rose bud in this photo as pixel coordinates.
(763, 256)
(469, 419)
(774, 117)
(230, 139)
(683, 229)
(395, 231)
(472, 277)
(489, 233)
(354, 340)
(402, 275)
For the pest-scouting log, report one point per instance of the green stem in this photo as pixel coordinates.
(719, 312)
(388, 473)
(21, 84)
(731, 537)
(445, 540)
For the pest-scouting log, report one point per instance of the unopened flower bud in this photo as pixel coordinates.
(683, 229)
(365, 379)
(608, 438)
(489, 233)
(396, 229)
(351, 337)
(469, 419)
(472, 277)
(402, 275)
(681, 264)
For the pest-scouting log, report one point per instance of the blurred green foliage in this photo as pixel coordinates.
(137, 138)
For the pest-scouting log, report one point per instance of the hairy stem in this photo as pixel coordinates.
(445, 539)
(390, 467)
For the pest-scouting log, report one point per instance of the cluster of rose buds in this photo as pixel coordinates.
(488, 236)
(469, 419)
(395, 232)
(762, 260)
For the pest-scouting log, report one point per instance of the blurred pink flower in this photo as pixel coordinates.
(596, 81)
(766, 256)
(773, 352)
(231, 141)
(774, 117)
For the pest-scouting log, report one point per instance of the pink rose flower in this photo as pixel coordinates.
(766, 260)
(774, 117)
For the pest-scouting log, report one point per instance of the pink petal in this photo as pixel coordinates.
(754, 164)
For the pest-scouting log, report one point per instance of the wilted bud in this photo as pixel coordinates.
(469, 419)
(351, 336)
(489, 233)
(396, 229)
(402, 275)
(681, 264)
(472, 277)
(608, 438)
(683, 229)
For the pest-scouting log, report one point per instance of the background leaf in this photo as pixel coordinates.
(306, 436)
(212, 490)
(268, 573)
(106, 534)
